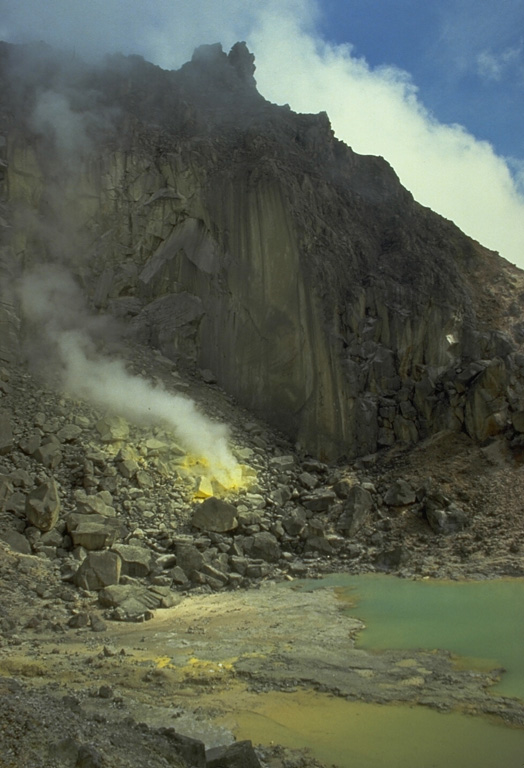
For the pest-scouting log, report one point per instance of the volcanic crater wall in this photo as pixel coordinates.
(249, 240)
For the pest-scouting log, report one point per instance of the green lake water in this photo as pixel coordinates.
(481, 622)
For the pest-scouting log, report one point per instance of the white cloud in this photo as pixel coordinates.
(494, 66)
(374, 111)
(379, 112)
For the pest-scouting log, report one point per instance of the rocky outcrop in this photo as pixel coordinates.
(247, 239)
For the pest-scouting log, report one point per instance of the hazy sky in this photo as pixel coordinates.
(434, 86)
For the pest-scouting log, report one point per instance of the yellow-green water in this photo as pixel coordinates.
(356, 735)
(483, 622)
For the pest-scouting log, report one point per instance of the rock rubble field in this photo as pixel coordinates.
(111, 534)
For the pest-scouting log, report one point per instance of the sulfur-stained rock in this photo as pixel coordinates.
(204, 488)
(42, 505)
(112, 429)
(128, 468)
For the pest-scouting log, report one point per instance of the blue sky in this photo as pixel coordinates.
(467, 58)
(434, 86)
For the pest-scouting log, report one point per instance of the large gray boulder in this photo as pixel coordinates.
(94, 532)
(239, 754)
(42, 506)
(98, 570)
(355, 511)
(6, 433)
(215, 515)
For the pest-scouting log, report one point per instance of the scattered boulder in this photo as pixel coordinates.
(392, 558)
(98, 570)
(294, 521)
(112, 429)
(442, 514)
(6, 434)
(132, 602)
(215, 515)
(69, 433)
(42, 506)
(6, 489)
(49, 453)
(450, 519)
(240, 754)
(128, 468)
(96, 503)
(320, 500)
(94, 532)
(136, 561)
(16, 541)
(266, 547)
(282, 462)
(188, 557)
(400, 494)
(192, 751)
(356, 510)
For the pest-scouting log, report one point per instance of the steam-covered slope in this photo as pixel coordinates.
(248, 238)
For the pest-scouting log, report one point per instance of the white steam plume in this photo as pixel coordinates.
(53, 303)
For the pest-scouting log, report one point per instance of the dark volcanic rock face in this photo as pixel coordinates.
(248, 239)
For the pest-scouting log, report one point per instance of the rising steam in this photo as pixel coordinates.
(53, 303)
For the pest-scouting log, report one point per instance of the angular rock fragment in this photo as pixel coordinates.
(95, 503)
(240, 754)
(401, 493)
(94, 532)
(282, 462)
(6, 489)
(188, 557)
(69, 433)
(266, 547)
(136, 561)
(215, 515)
(319, 501)
(42, 505)
(6, 434)
(112, 429)
(448, 520)
(98, 570)
(49, 453)
(355, 511)
(16, 541)
(294, 521)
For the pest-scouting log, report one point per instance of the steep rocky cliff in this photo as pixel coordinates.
(249, 240)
